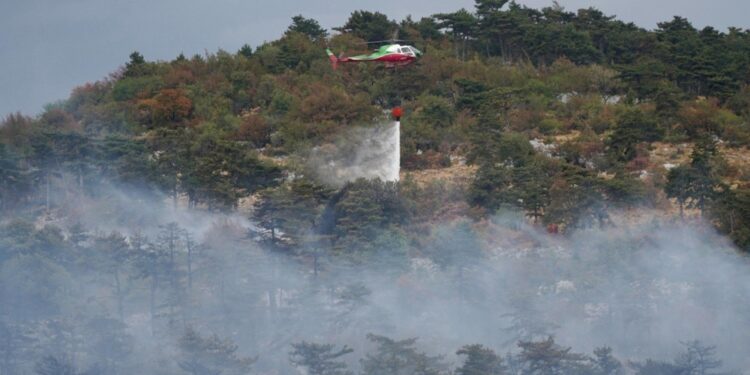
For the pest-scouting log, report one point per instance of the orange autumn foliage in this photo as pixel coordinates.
(168, 106)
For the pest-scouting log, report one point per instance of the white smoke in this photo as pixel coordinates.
(640, 288)
(370, 153)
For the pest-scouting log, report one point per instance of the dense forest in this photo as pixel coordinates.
(574, 199)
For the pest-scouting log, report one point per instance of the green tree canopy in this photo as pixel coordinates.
(370, 26)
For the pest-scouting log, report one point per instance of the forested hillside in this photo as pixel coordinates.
(568, 179)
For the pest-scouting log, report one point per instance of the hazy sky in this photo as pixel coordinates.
(47, 47)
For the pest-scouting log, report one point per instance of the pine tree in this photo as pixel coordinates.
(703, 180)
(633, 127)
(170, 244)
(210, 355)
(678, 185)
(308, 27)
(319, 359)
(547, 358)
(480, 361)
(400, 357)
(698, 359)
(605, 363)
(151, 262)
(370, 26)
(246, 51)
(116, 260)
(462, 26)
(133, 68)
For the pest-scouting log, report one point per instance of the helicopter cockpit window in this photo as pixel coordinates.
(407, 51)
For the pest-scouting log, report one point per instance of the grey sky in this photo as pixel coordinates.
(47, 47)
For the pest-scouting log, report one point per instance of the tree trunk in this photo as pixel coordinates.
(189, 265)
(152, 302)
(316, 256)
(47, 195)
(502, 49)
(455, 45)
(174, 193)
(463, 49)
(118, 290)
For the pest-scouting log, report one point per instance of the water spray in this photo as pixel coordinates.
(360, 152)
(396, 157)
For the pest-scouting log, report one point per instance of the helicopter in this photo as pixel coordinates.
(391, 55)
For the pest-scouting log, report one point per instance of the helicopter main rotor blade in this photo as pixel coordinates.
(386, 41)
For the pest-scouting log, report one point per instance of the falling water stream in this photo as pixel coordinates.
(394, 153)
(370, 153)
